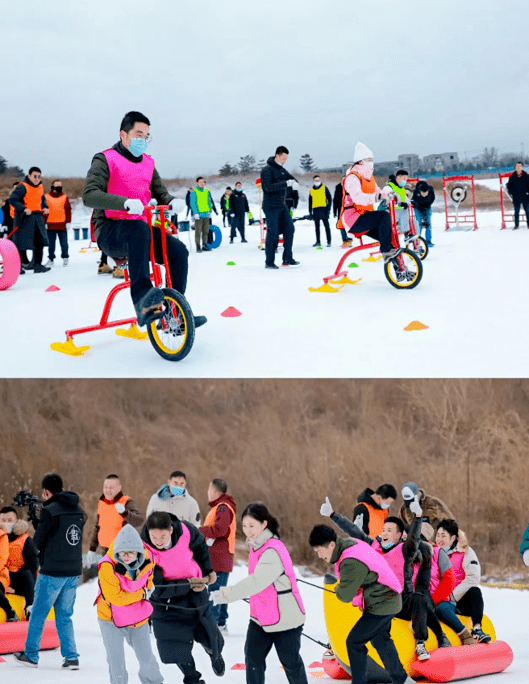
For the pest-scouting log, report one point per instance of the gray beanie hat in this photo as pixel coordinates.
(128, 539)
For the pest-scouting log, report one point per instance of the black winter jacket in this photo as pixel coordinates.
(420, 202)
(518, 187)
(337, 200)
(274, 182)
(59, 536)
(238, 203)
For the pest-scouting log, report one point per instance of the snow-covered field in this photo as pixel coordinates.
(473, 297)
(506, 608)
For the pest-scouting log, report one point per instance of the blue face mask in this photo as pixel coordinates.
(384, 506)
(137, 146)
(402, 184)
(177, 491)
(387, 545)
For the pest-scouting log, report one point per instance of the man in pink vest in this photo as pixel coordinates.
(359, 567)
(182, 609)
(121, 182)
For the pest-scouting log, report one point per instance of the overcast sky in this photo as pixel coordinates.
(223, 78)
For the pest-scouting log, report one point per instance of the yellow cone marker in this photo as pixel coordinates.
(325, 288)
(69, 348)
(345, 281)
(416, 325)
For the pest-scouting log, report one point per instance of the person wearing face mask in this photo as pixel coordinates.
(174, 498)
(423, 198)
(11, 616)
(411, 561)
(433, 509)
(182, 609)
(357, 214)
(114, 511)
(59, 217)
(23, 562)
(320, 203)
(120, 183)
(277, 613)
(396, 187)
(239, 207)
(373, 507)
(31, 208)
(125, 577)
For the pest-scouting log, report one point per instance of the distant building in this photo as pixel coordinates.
(335, 169)
(440, 162)
(410, 162)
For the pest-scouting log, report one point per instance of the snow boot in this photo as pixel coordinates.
(104, 268)
(420, 649)
(149, 307)
(480, 636)
(443, 641)
(466, 637)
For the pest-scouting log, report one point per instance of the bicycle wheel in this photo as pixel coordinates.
(405, 271)
(173, 334)
(422, 248)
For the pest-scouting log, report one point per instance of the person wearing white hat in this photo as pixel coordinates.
(358, 213)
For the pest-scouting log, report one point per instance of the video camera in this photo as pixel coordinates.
(34, 504)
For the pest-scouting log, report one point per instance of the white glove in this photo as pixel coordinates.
(177, 205)
(153, 202)
(290, 183)
(210, 542)
(213, 597)
(526, 557)
(149, 592)
(92, 558)
(134, 206)
(326, 508)
(359, 521)
(120, 508)
(197, 216)
(415, 507)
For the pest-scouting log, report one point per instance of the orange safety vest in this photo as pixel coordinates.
(33, 197)
(110, 521)
(210, 521)
(4, 557)
(57, 207)
(11, 211)
(377, 518)
(16, 549)
(367, 187)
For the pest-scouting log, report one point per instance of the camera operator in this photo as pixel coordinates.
(58, 538)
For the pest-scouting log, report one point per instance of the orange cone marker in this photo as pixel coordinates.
(416, 325)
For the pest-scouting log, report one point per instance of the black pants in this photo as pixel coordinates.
(175, 645)
(63, 241)
(38, 245)
(237, 224)
(287, 644)
(378, 226)
(4, 603)
(278, 221)
(517, 205)
(132, 239)
(23, 582)
(376, 629)
(415, 608)
(319, 215)
(472, 604)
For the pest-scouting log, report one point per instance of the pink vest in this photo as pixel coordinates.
(128, 179)
(395, 559)
(435, 580)
(177, 562)
(456, 559)
(125, 616)
(375, 562)
(264, 606)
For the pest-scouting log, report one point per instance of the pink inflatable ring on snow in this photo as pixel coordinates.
(9, 264)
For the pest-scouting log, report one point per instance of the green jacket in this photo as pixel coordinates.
(378, 599)
(95, 193)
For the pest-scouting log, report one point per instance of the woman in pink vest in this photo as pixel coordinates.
(182, 610)
(276, 609)
(125, 583)
(466, 599)
(367, 581)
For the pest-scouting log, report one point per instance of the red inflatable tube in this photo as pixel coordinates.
(13, 636)
(462, 662)
(332, 667)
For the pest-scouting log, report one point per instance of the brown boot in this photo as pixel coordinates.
(466, 638)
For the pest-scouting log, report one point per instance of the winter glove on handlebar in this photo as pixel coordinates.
(177, 205)
(134, 206)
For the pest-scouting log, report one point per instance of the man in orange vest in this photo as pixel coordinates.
(58, 219)
(373, 507)
(23, 560)
(30, 209)
(114, 510)
(219, 529)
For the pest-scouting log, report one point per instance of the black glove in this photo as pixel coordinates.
(404, 205)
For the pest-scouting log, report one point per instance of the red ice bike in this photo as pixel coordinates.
(172, 335)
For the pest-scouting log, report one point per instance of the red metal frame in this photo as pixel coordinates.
(156, 277)
(395, 241)
(455, 218)
(504, 215)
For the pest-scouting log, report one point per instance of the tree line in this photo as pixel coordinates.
(248, 164)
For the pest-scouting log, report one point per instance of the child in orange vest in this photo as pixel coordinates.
(23, 560)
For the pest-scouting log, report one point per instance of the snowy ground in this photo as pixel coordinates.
(506, 608)
(473, 297)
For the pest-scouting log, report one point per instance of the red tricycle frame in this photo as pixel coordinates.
(455, 218)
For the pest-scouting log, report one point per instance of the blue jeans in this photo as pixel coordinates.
(59, 593)
(446, 612)
(220, 612)
(426, 216)
(63, 241)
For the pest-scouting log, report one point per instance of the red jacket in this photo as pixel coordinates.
(221, 558)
